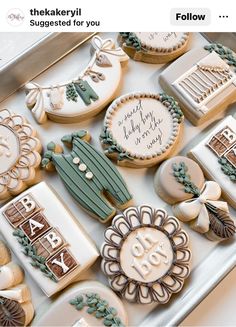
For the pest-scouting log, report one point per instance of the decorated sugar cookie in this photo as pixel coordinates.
(154, 47)
(87, 303)
(203, 81)
(86, 94)
(180, 181)
(89, 176)
(146, 255)
(19, 154)
(16, 308)
(216, 154)
(141, 129)
(45, 237)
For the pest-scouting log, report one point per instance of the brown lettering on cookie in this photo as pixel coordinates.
(62, 263)
(49, 243)
(35, 226)
(17, 212)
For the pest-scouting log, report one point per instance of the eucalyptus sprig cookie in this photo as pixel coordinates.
(145, 255)
(142, 129)
(19, 154)
(154, 47)
(180, 181)
(86, 94)
(203, 81)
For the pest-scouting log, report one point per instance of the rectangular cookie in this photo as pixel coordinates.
(47, 239)
(203, 81)
(216, 154)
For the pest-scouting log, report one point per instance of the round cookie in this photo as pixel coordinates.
(154, 47)
(166, 185)
(81, 302)
(141, 129)
(145, 255)
(5, 255)
(19, 154)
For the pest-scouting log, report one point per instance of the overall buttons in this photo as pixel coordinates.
(82, 167)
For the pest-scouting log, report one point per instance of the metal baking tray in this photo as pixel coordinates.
(25, 55)
(211, 261)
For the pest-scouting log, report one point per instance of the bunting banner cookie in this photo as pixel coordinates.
(45, 237)
(89, 176)
(145, 255)
(87, 303)
(142, 129)
(180, 181)
(203, 81)
(19, 154)
(154, 47)
(216, 154)
(85, 95)
(16, 308)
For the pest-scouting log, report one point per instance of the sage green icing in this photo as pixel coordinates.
(97, 307)
(83, 89)
(228, 169)
(89, 193)
(170, 102)
(225, 53)
(180, 173)
(131, 40)
(30, 251)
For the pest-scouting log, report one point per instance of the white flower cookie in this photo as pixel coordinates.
(154, 47)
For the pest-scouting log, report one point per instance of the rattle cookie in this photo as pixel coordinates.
(88, 175)
(19, 154)
(180, 181)
(154, 47)
(145, 255)
(45, 238)
(87, 303)
(85, 95)
(16, 308)
(216, 154)
(203, 81)
(142, 129)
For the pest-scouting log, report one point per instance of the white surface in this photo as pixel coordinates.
(140, 77)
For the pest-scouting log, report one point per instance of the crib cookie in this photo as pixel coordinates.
(216, 154)
(145, 255)
(19, 154)
(85, 95)
(141, 129)
(87, 303)
(45, 238)
(203, 81)
(180, 181)
(89, 176)
(154, 47)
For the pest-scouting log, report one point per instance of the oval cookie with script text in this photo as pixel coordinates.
(141, 129)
